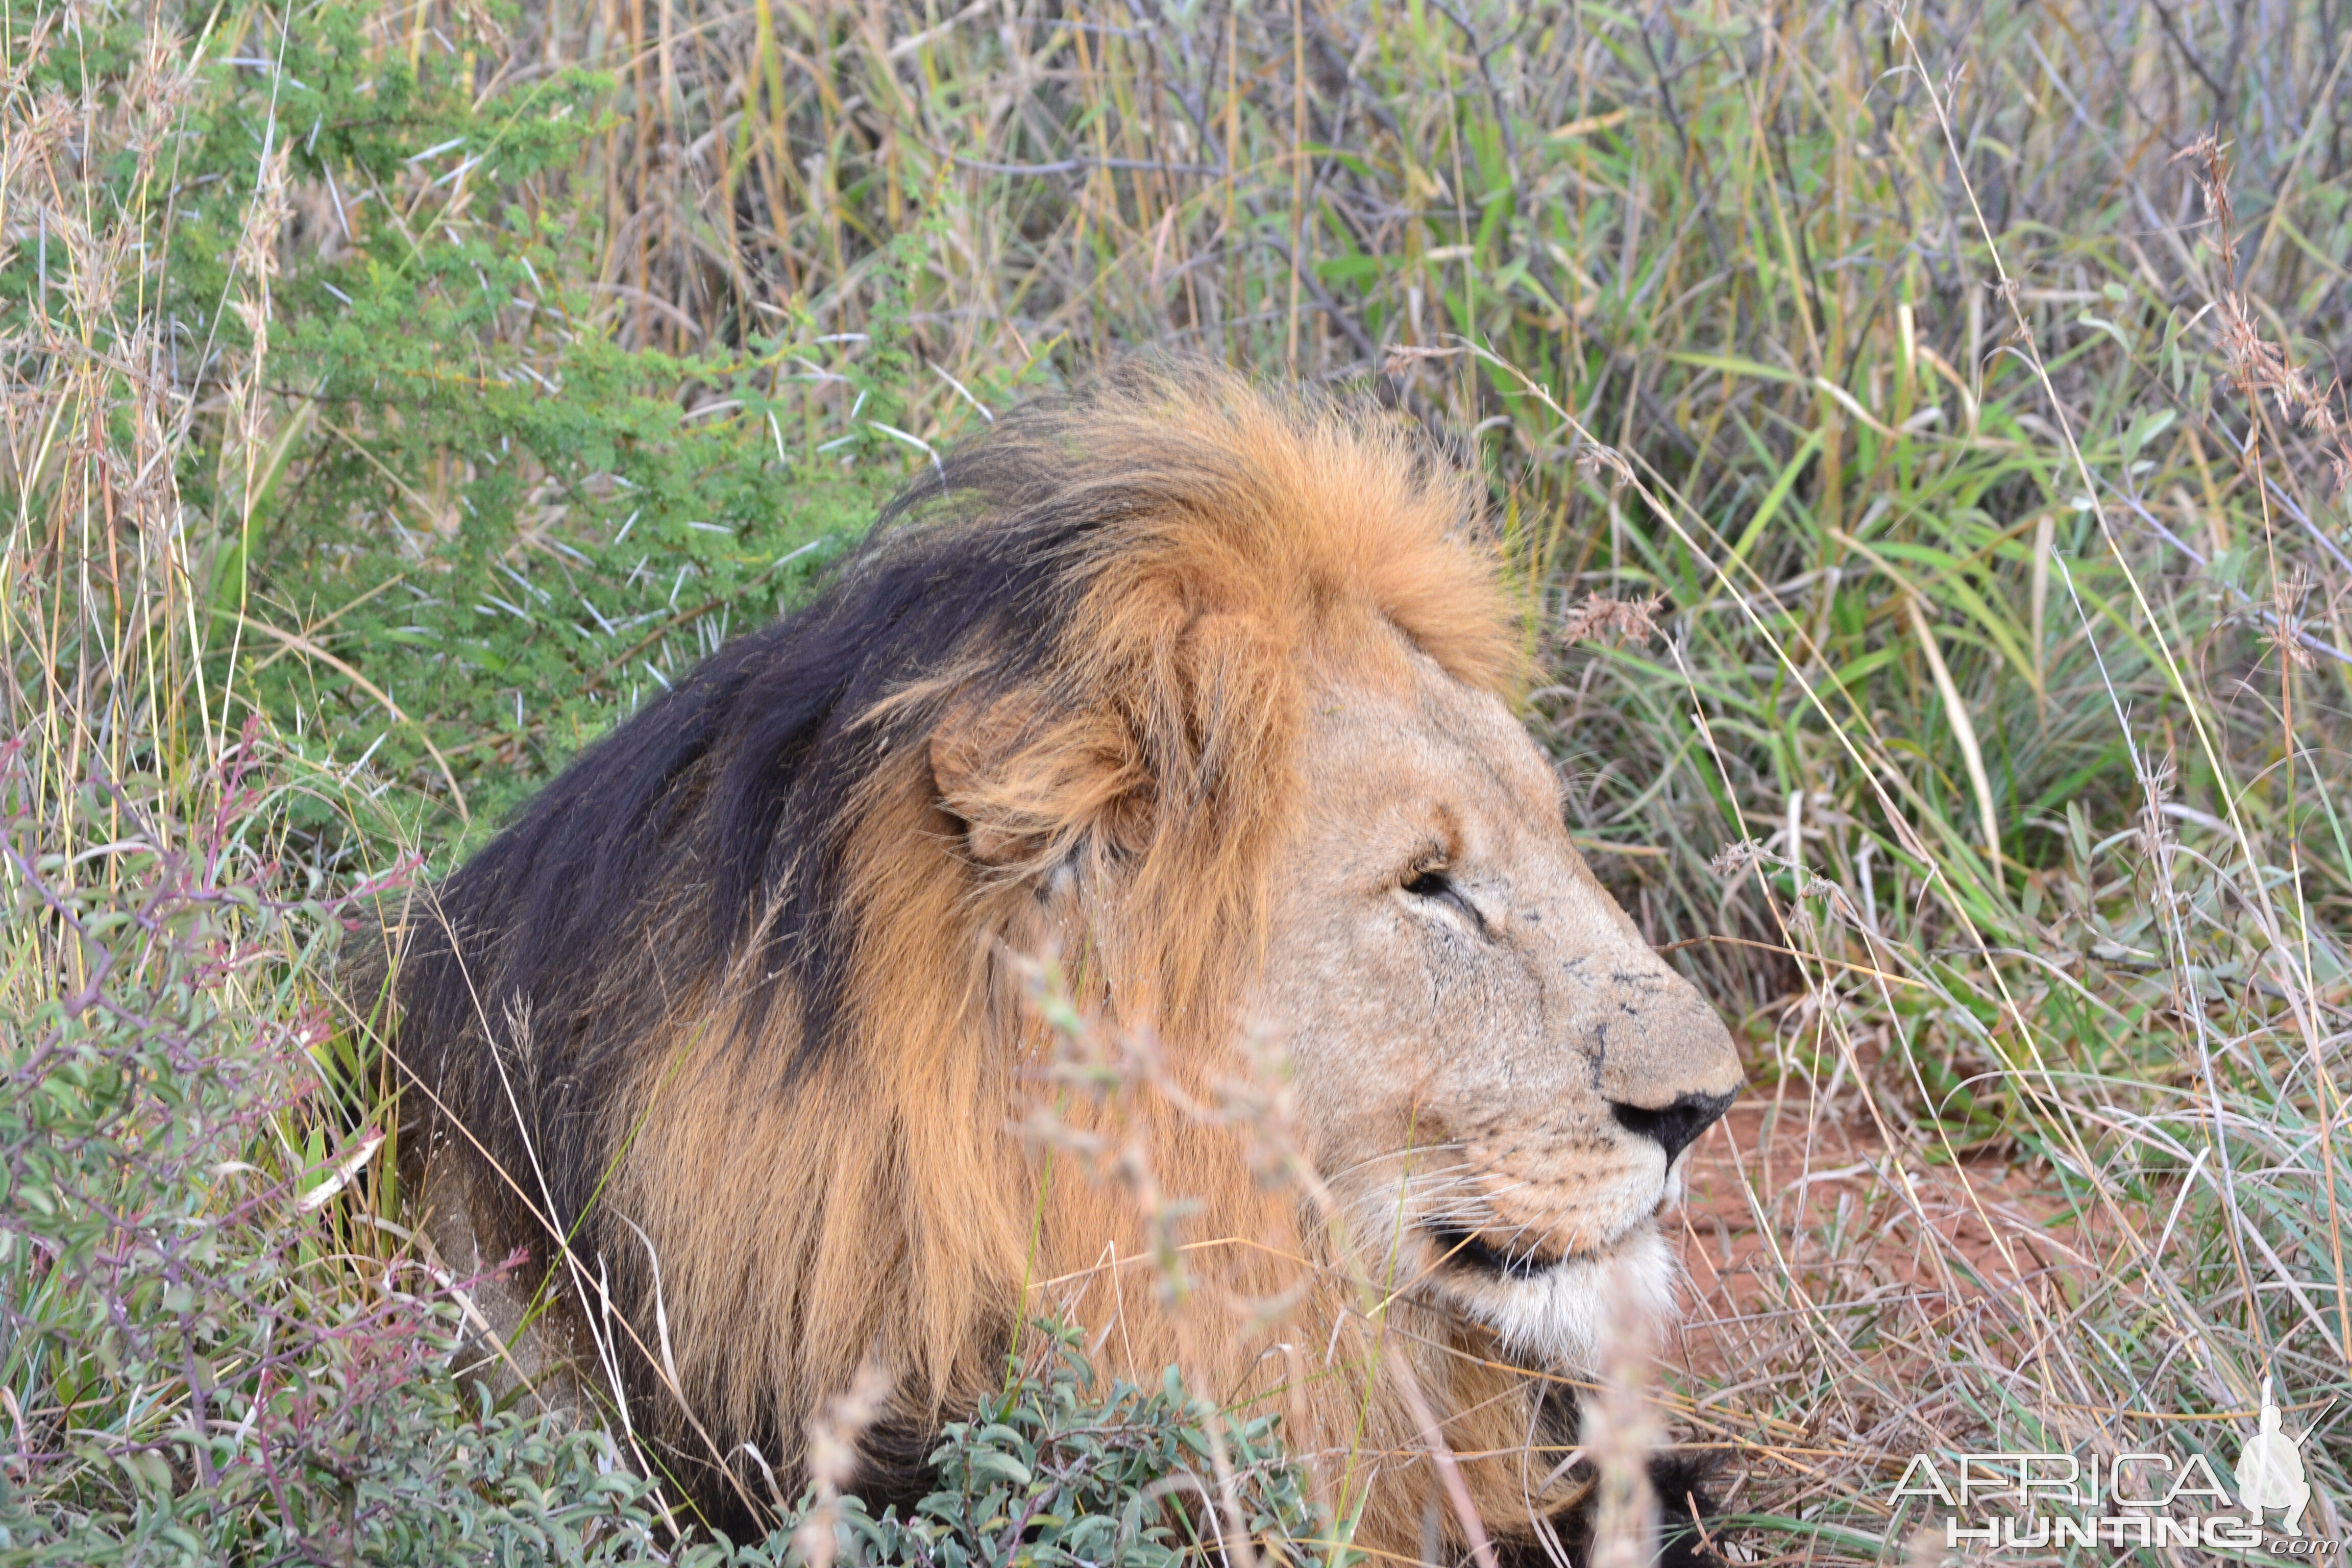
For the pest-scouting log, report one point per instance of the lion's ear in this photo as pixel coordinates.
(967, 751)
(1028, 787)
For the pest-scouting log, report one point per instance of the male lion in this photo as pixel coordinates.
(1202, 690)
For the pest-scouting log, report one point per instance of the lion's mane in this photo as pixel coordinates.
(732, 1006)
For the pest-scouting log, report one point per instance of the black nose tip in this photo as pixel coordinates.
(1677, 1126)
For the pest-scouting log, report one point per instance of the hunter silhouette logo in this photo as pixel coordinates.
(2270, 1470)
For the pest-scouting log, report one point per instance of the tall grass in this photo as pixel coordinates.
(1980, 470)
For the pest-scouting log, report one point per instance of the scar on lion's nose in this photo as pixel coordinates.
(1677, 1126)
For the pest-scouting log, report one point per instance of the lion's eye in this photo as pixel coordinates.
(1428, 885)
(1433, 885)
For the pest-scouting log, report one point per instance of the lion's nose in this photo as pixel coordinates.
(1677, 1126)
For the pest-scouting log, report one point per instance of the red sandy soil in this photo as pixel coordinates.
(1835, 1198)
(1832, 1280)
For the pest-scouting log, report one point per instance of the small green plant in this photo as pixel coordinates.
(1062, 1470)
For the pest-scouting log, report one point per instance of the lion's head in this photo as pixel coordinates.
(1489, 1058)
(1201, 691)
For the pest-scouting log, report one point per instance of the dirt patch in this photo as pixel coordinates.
(1788, 1187)
(1838, 1278)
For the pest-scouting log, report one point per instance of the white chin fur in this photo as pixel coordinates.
(1556, 1319)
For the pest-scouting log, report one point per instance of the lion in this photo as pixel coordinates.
(1200, 694)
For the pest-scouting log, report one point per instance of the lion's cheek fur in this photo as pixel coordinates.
(1265, 1321)
(1559, 1317)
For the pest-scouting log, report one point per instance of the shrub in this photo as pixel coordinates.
(1061, 1471)
(203, 1358)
